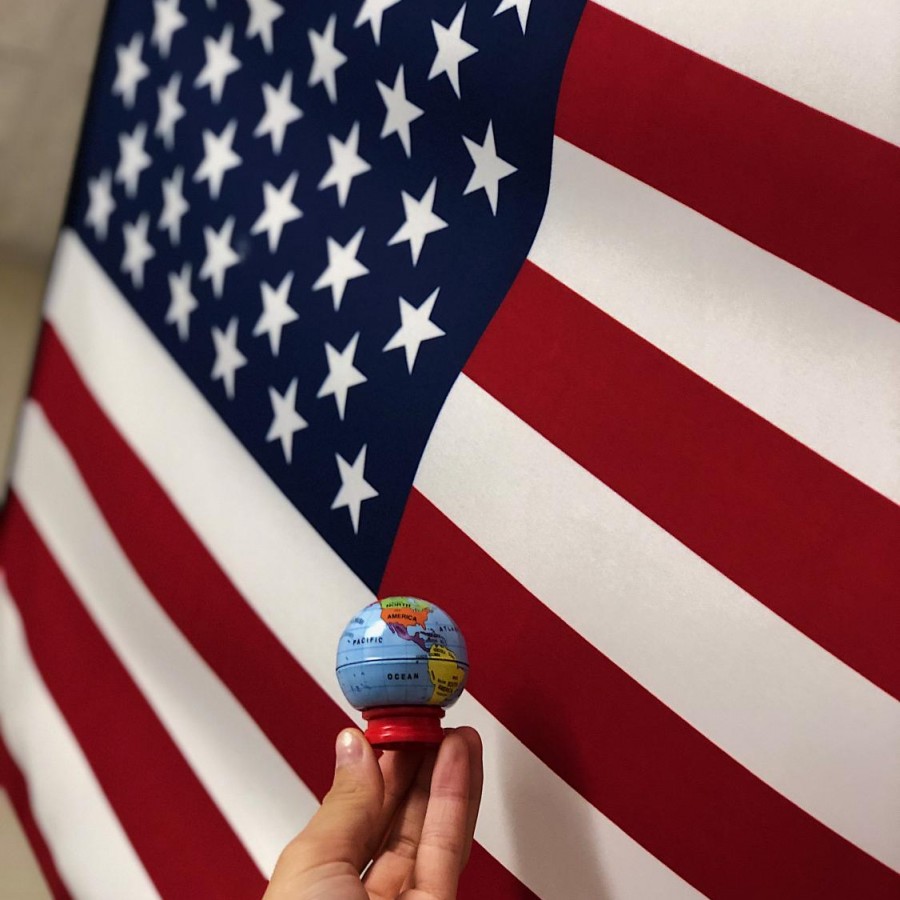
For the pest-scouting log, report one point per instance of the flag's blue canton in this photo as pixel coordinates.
(278, 186)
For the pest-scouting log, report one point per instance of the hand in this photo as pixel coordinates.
(411, 812)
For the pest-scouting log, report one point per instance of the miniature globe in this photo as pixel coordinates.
(402, 660)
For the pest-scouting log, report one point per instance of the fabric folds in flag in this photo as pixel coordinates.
(579, 319)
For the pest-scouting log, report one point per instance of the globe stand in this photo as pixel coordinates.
(394, 727)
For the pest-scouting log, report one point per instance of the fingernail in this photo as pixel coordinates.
(349, 748)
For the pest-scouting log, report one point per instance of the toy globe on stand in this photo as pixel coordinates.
(402, 661)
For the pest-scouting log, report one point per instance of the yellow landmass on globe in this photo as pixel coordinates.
(404, 611)
(446, 674)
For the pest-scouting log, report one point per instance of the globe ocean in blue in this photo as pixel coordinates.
(402, 651)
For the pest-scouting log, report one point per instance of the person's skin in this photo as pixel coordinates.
(411, 812)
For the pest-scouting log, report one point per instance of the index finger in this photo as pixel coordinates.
(476, 780)
(444, 842)
(399, 769)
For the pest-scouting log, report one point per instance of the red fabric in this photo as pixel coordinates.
(657, 778)
(748, 498)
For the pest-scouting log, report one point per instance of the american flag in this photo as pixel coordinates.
(580, 320)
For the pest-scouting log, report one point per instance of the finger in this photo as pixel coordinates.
(398, 769)
(394, 863)
(476, 781)
(345, 830)
(443, 842)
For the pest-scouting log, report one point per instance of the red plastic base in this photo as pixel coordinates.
(393, 727)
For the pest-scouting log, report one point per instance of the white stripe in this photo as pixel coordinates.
(544, 832)
(89, 847)
(813, 361)
(797, 717)
(258, 793)
(286, 569)
(841, 58)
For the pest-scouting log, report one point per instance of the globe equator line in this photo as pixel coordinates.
(402, 659)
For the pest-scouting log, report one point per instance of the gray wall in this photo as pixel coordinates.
(46, 53)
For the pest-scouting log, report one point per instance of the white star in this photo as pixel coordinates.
(174, 204)
(451, 50)
(181, 301)
(101, 204)
(327, 59)
(276, 311)
(372, 12)
(138, 249)
(219, 255)
(489, 168)
(133, 159)
(220, 63)
(286, 421)
(399, 112)
(346, 164)
(342, 374)
(279, 210)
(342, 267)
(131, 70)
(167, 19)
(218, 158)
(262, 14)
(280, 112)
(354, 488)
(420, 221)
(415, 328)
(228, 358)
(522, 7)
(170, 110)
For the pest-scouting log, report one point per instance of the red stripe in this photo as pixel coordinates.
(809, 188)
(688, 803)
(13, 781)
(816, 546)
(186, 846)
(181, 574)
(485, 877)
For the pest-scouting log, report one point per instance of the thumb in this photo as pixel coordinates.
(346, 828)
